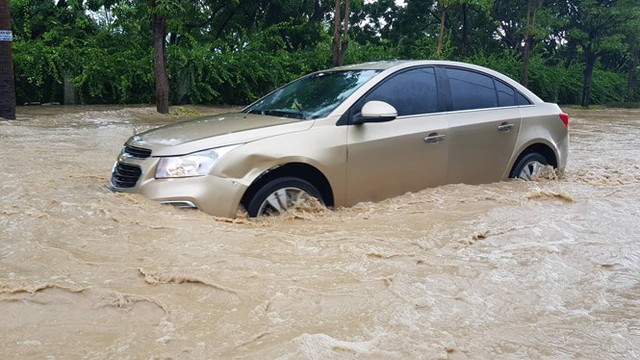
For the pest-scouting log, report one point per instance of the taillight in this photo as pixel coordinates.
(565, 119)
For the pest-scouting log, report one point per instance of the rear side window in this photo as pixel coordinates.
(410, 92)
(471, 90)
(521, 100)
(506, 94)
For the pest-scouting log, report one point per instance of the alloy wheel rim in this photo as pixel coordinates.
(531, 170)
(281, 200)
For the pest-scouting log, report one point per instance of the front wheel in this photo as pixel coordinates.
(529, 167)
(279, 195)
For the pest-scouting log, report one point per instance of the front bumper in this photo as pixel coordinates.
(211, 194)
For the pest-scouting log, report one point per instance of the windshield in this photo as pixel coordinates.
(313, 96)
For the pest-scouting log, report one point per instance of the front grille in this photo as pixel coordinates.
(136, 152)
(125, 176)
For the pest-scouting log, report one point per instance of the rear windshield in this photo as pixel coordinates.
(313, 96)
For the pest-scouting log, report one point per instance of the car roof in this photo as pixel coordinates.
(374, 65)
(384, 65)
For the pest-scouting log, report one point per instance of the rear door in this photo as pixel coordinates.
(405, 154)
(483, 127)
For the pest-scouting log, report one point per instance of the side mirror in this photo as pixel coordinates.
(376, 111)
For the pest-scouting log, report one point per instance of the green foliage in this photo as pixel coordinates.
(114, 74)
(369, 52)
(555, 82)
(32, 69)
(234, 51)
(507, 63)
(608, 87)
(239, 73)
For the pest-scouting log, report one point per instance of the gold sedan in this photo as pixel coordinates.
(349, 134)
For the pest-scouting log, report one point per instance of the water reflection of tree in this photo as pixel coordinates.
(314, 96)
(325, 92)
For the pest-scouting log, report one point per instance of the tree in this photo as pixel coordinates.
(374, 21)
(633, 56)
(7, 86)
(159, 26)
(233, 51)
(340, 33)
(51, 42)
(444, 6)
(528, 38)
(594, 29)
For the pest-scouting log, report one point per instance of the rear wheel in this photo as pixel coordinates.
(529, 166)
(279, 195)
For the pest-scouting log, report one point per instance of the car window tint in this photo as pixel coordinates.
(471, 90)
(410, 92)
(506, 94)
(521, 99)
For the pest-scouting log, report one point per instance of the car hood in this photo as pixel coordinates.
(214, 131)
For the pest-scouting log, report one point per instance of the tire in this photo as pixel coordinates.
(280, 194)
(529, 166)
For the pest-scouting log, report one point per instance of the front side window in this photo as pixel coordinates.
(313, 96)
(410, 92)
(471, 90)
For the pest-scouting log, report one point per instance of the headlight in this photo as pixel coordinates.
(196, 164)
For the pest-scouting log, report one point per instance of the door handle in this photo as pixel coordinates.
(505, 127)
(434, 138)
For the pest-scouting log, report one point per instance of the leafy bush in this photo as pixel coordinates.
(608, 87)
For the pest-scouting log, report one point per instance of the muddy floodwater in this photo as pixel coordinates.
(513, 270)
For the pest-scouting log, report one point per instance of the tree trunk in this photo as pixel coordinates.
(68, 90)
(526, 60)
(7, 82)
(528, 40)
(465, 25)
(441, 35)
(340, 42)
(633, 74)
(159, 25)
(527, 48)
(590, 61)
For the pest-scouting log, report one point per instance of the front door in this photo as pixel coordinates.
(406, 154)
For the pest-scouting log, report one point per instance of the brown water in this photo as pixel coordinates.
(515, 270)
